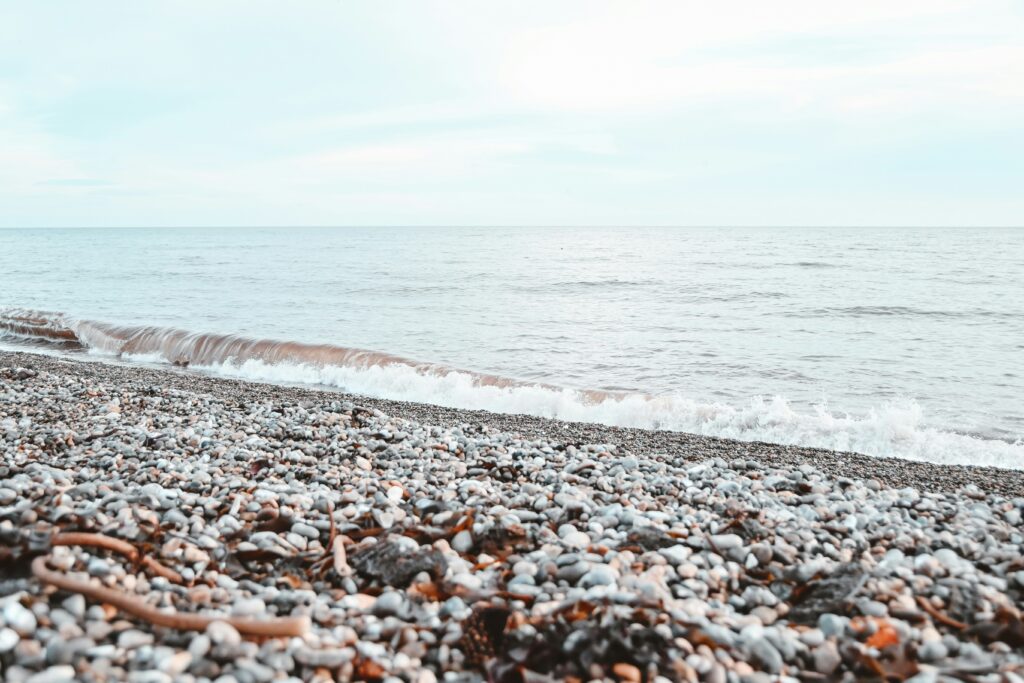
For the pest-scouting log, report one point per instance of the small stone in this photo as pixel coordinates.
(148, 677)
(600, 575)
(764, 654)
(98, 567)
(676, 554)
(19, 618)
(762, 553)
(384, 519)
(832, 624)
(63, 673)
(524, 568)
(576, 539)
(330, 659)
(462, 542)
(627, 672)
(177, 664)
(306, 531)
(199, 646)
(932, 650)
(249, 607)
(132, 638)
(466, 580)
(767, 615)
(573, 572)
(453, 606)
(826, 658)
(75, 605)
(874, 608)
(725, 542)
(687, 571)
(812, 637)
(223, 633)
(389, 603)
(9, 638)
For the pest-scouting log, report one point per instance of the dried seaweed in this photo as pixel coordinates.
(580, 644)
(828, 595)
(390, 562)
(649, 538)
(483, 633)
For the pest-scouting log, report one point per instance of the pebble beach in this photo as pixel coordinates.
(161, 525)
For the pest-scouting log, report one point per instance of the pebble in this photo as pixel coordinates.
(577, 540)
(306, 531)
(9, 638)
(55, 674)
(462, 542)
(19, 618)
(548, 539)
(727, 541)
(826, 658)
(223, 633)
(598, 576)
(131, 639)
(832, 625)
(766, 656)
(199, 646)
(388, 603)
(932, 650)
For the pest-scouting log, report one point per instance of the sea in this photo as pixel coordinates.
(904, 342)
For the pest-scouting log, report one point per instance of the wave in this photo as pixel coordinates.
(898, 311)
(896, 429)
(816, 264)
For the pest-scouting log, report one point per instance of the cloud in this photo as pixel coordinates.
(651, 58)
(517, 112)
(28, 156)
(76, 182)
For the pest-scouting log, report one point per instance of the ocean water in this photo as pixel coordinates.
(891, 342)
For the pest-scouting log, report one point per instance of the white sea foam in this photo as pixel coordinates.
(897, 430)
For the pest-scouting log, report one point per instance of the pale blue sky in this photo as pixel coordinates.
(311, 112)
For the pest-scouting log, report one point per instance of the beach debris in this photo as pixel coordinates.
(396, 560)
(829, 595)
(268, 628)
(484, 634)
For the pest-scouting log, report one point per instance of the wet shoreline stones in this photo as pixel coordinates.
(431, 550)
(894, 472)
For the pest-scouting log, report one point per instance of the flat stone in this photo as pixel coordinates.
(132, 638)
(9, 638)
(223, 633)
(62, 673)
(306, 530)
(600, 575)
(826, 658)
(462, 542)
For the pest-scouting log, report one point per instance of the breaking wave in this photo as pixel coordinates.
(897, 429)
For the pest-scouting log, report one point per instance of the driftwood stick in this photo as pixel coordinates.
(282, 627)
(118, 546)
(939, 616)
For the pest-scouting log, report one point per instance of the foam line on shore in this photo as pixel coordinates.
(895, 430)
(892, 430)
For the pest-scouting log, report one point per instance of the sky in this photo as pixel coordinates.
(323, 112)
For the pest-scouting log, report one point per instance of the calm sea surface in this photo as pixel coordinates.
(906, 342)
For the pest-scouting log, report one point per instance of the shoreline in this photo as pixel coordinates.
(687, 447)
(163, 527)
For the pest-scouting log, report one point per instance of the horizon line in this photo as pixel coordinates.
(497, 225)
